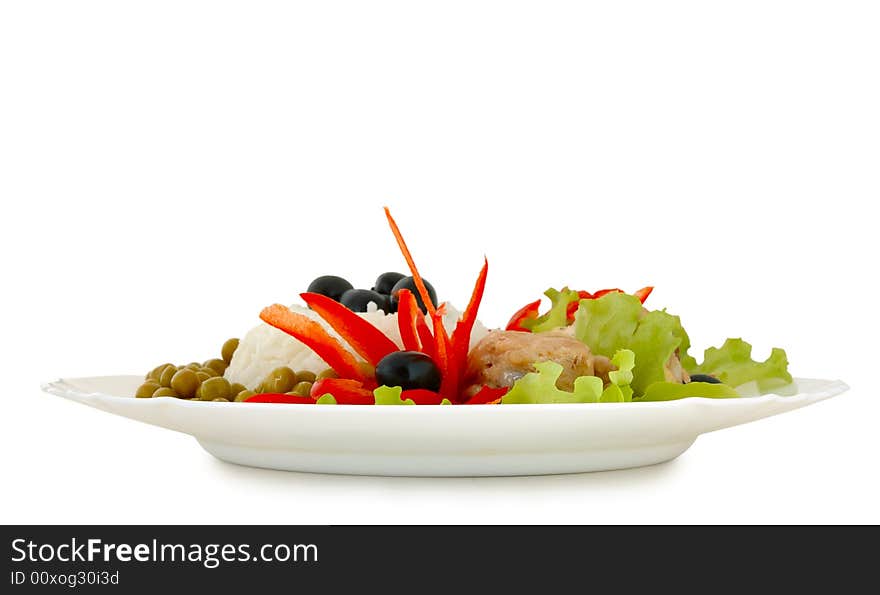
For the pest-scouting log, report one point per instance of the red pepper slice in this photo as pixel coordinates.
(602, 292)
(421, 396)
(487, 396)
(280, 398)
(420, 285)
(407, 311)
(425, 336)
(461, 337)
(441, 351)
(643, 293)
(368, 341)
(316, 338)
(346, 392)
(527, 312)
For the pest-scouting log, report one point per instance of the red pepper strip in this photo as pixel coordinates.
(425, 335)
(420, 285)
(461, 336)
(280, 398)
(527, 312)
(317, 339)
(441, 355)
(368, 341)
(602, 292)
(643, 293)
(407, 311)
(346, 392)
(421, 396)
(487, 396)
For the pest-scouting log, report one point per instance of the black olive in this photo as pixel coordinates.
(356, 300)
(385, 282)
(408, 370)
(330, 285)
(409, 283)
(704, 378)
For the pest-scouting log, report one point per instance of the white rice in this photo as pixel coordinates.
(265, 348)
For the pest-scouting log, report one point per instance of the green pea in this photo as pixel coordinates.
(164, 391)
(167, 374)
(202, 376)
(220, 400)
(280, 380)
(156, 372)
(244, 396)
(228, 350)
(194, 366)
(218, 365)
(303, 389)
(146, 390)
(211, 372)
(214, 388)
(236, 387)
(305, 376)
(185, 382)
(328, 373)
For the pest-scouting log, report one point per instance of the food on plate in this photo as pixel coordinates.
(396, 343)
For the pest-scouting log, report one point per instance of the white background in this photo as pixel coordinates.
(169, 168)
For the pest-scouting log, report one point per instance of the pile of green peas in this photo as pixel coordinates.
(205, 381)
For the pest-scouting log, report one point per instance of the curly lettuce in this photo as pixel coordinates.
(732, 364)
(618, 321)
(539, 387)
(557, 316)
(390, 395)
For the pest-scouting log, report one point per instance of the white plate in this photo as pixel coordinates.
(473, 440)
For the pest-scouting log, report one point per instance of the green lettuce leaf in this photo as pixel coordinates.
(670, 391)
(617, 321)
(540, 386)
(558, 314)
(620, 391)
(732, 364)
(390, 395)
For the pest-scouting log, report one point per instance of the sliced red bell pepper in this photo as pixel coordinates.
(461, 337)
(420, 285)
(421, 396)
(313, 335)
(280, 398)
(643, 293)
(368, 341)
(425, 335)
(441, 352)
(346, 392)
(487, 396)
(602, 292)
(407, 312)
(527, 312)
